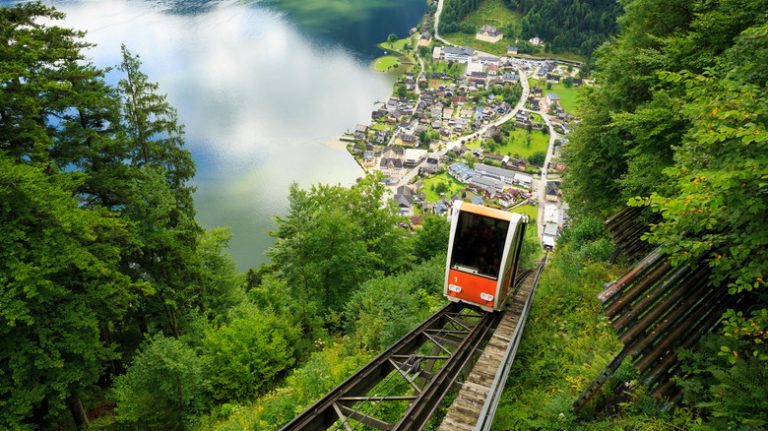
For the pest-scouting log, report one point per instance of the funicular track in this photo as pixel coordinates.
(411, 378)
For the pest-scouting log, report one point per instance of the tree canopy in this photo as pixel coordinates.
(678, 124)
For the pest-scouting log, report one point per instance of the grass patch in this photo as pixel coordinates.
(569, 97)
(455, 69)
(398, 45)
(538, 119)
(452, 186)
(516, 143)
(474, 144)
(436, 83)
(497, 14)
(567, 341)
(532, 211)
(380, 126)
(386, 63)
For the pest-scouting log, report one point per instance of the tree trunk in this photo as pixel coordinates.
(114, 366)
(40, 415)
(78, 412)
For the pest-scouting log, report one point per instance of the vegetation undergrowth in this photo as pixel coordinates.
(568, 341)
(381, 312)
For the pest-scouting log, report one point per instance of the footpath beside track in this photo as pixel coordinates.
(475, 405)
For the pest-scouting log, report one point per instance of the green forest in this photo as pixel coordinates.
(565, 25)
(118, 311)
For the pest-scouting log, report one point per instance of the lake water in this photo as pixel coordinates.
(264, 89)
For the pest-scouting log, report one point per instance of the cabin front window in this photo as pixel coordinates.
(478, 244)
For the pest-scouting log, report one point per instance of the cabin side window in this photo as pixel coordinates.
(478, 245)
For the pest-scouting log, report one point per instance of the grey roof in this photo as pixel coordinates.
(488, 184)
(404, 190)
(553, 187)
(550, 229)
(489, 29)
(461, 171)
(493, 170)
(404, 200)
(458, 50)
(396, 163)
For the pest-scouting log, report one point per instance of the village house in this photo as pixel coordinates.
(413, 157)
(405, 138)
(505, 175)
(552, 193)
(553, 99)
(432, 165)
(461, 172)
(391, 167)
(474, 66)
(437, 53)
(378, 113)
(521, 120)
(549, 236)
(393, 103)
(393, 152)
(425, 38)
(460, 124)
(493, 156)
(404, 200)
(551, 214)
(536, 41)
(360, 132)
(369, 159)
(381, 136)
(509, 78)
(478, 78)
(512, 50)
(441, 207)
(489, 60)
(500, 174)
(487, 185)
(460, 54)
(489, 33)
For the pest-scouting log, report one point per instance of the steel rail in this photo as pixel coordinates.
(338, 405)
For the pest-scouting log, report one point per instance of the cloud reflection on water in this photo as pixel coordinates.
(259, 100)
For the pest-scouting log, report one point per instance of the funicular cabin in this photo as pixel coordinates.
(483, 254)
